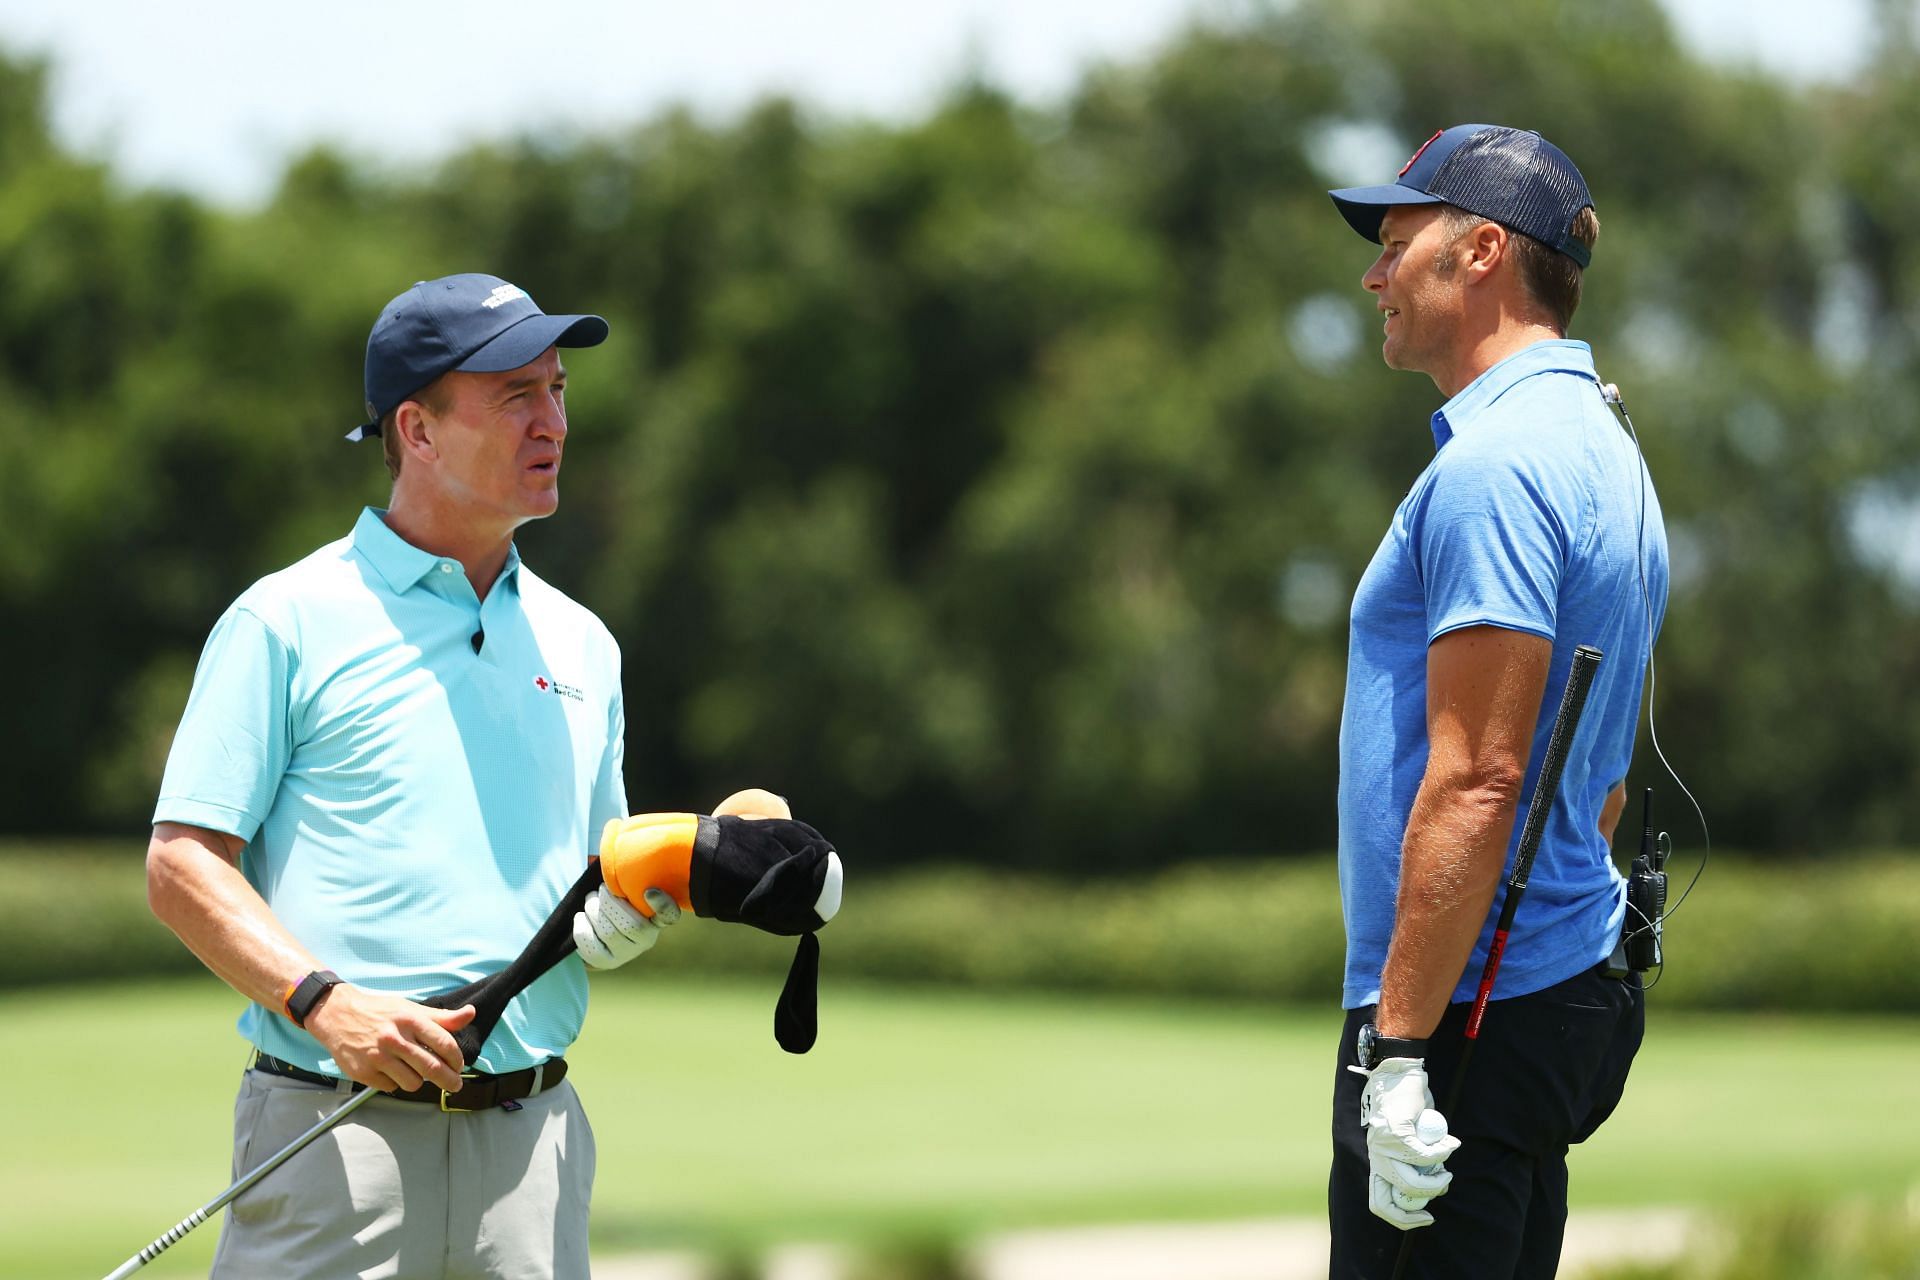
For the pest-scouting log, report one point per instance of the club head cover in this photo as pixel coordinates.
(773, 873)
(776, 874)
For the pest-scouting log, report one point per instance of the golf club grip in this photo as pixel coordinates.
(1566, 721)
(551, 944)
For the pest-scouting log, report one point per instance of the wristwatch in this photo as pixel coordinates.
(1374, 1048)
(305, 995)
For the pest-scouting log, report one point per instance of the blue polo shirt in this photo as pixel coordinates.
(1529, 518)
(412, 808)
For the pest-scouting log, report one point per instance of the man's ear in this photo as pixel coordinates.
(1487, 248)
(417, 429)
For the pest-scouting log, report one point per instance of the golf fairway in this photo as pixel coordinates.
(919, 1111)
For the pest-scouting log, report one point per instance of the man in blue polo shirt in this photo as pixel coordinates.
(397, 756)
(1534, 530)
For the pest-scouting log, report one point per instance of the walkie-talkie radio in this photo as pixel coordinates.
(1646, 896)
(1639, 947)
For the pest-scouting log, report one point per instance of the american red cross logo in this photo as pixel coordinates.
(540, 683)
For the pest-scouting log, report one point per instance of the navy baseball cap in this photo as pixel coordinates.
(1510, 176)
(476, 323)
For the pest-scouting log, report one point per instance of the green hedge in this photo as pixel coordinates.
(1838, 934)
(77, 911)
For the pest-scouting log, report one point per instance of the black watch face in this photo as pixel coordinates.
(308, 993)
(1363, 1047)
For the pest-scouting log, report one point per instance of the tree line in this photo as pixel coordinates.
(994, 483)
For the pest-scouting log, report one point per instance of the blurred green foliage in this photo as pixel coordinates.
(1830, 935)
(994, 484)
(930, 1258)
(1854, 1240)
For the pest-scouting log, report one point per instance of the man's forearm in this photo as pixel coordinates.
(196, 891)
(379, 1040)
(1450, 864)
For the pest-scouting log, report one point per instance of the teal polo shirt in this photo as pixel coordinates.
(413, 808)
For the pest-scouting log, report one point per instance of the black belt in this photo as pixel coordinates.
(478, 1090)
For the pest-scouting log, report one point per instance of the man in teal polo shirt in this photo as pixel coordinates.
(397, 755)
(1534, 530)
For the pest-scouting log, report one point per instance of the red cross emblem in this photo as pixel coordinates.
(540, 683)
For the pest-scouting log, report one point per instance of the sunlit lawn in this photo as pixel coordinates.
(947, 1112)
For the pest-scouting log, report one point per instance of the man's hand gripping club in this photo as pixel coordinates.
(1407, 1142)
(388, 1042)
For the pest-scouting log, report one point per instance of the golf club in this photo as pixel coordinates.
(1586, 661)
(489, 996)
(765, 872)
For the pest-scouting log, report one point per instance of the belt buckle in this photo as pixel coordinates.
(444, 1095)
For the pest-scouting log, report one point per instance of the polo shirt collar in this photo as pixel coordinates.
(1554, 355)
(400, 562)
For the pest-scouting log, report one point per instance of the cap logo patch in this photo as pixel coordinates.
(509, 292)
(1415, 159)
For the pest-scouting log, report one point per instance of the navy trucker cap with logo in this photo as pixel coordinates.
(471, 322)
(1510, 176)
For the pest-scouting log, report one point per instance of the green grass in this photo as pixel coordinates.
(919, 1111)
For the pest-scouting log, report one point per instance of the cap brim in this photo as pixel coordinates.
(523, 343)
(1365, 208)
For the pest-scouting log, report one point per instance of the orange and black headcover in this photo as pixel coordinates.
(775, 874)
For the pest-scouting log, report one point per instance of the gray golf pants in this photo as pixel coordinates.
(406, 1190)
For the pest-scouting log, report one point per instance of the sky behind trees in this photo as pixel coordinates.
(217, 104)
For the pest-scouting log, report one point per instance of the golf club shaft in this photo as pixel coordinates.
(219, 1202)
(552, 943)
(1586, 661)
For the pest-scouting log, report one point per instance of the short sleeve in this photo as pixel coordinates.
(235, 739)
(1492, 545)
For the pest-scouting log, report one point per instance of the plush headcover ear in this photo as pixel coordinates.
(770, 873)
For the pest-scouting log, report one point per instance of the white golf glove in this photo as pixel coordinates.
(609, 932)
(1406, 1161)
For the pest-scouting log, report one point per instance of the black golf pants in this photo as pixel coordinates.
(1549, 1068)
